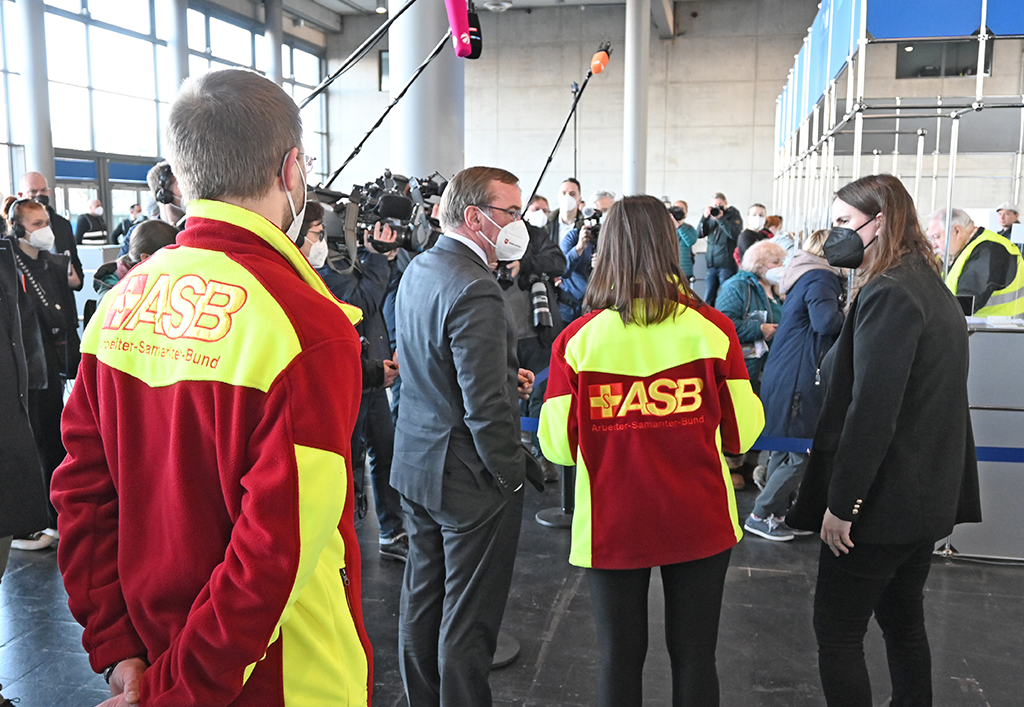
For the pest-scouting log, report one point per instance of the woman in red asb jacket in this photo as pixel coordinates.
(646, 390)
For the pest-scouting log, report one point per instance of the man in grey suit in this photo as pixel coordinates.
(459, 463)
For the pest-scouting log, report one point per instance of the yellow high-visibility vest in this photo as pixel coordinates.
(1008, 301)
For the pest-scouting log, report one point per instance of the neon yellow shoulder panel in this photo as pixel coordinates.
(164, 323)
(645, 350)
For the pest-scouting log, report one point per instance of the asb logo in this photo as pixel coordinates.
(661, 397)
(188, 307)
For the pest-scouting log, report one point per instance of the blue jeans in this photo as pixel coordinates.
(887, 581)
(785, 472)
(375, 433)
(713, 280)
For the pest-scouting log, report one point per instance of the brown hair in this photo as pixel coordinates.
(470, 187)
(899, 233)
(150, 236)
(638, 259)
(772, 221)
(314, 214)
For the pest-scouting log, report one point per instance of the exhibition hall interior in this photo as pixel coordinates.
(764, 109)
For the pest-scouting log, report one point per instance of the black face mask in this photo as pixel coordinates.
(844, 248)
(42, 199)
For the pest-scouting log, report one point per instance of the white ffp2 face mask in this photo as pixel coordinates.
(755, 223)
(318, 254)
(512, 240)
(567, 203)
(537, 219)
(41, 238)
(296, 226)
(99, 211)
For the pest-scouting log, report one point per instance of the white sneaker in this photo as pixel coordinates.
(39, 540)
(760, 476)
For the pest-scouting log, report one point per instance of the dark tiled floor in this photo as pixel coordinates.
(766, 652)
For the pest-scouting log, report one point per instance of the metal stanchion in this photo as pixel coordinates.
(561, 517)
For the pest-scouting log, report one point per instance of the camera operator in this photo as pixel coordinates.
(365, 286)
(531, 297)
(721, 225)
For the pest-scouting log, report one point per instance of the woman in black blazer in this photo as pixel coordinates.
(893, 466)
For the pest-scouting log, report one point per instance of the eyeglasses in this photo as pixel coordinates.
(516, 214)
(308, 162)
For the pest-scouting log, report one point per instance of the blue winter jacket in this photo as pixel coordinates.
(811, 320)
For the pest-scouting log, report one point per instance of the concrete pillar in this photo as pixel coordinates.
(428, 126)
(634, 119)
(275, 38)
(39, 143)
(178, 42)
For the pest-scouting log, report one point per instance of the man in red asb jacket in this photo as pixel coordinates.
(207, 543)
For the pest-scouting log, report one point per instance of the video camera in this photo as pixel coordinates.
(403, 203)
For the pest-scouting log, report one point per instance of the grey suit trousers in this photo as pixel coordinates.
(456, 584)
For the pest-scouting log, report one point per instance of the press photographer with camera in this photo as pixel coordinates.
(531, 298)
(579, 247)
(365, 284)
(721, 225)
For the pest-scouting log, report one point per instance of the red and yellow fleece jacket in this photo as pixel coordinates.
(204, 504)
(644, 412)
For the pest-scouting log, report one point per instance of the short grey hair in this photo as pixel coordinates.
(470, 187)
(602, 194)
(960, 218)
(228, 133)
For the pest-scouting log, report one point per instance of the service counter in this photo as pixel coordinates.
(995, 388)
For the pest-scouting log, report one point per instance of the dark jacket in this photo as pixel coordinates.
(721, 234)
(49, 329)
(365, 287)
(791, 390)
(22, 493)
(88, 223)
(64, 242)
(553, 224)
(894, 449)
(748, 238)
(543, 257)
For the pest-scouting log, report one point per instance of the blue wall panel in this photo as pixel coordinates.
(910, 19)
(1006, 17)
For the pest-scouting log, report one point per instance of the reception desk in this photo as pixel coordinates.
(995, 387)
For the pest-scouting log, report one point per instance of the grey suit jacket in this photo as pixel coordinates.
(457, 351)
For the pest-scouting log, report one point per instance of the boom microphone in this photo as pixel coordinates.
(476, 38)
(601, 57)
(458, 18)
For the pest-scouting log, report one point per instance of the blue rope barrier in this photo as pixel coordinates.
(1012, 455)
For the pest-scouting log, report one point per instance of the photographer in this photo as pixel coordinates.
(365, 285)
(687, 236)
(530, 296)
(721, 225)
(579, 247)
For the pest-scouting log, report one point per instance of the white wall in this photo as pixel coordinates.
(712, 97)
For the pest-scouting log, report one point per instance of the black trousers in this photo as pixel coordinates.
(456, 583)
(44, 408)
(693, 603)
(887, 581)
